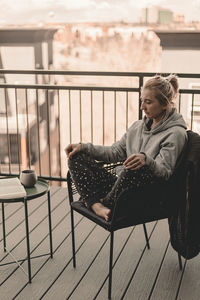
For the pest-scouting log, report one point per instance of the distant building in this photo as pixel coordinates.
(179, 19)
(156, 15)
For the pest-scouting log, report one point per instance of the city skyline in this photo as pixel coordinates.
(34, 11)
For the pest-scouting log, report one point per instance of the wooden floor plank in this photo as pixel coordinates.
(51, 270)
(169, 277)
(96, 275)
(70, 277)
(190, 287)
(143, 279)
(127, 262)
(10, 210)
(151, 272)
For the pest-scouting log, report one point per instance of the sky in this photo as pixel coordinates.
(33, 11)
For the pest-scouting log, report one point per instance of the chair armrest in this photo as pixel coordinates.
(71, 189)
(110, 166)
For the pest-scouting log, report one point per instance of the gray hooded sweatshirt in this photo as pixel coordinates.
(162, 144)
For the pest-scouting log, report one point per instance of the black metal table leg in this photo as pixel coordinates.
(4, 227)
(27, 239)
(50, 227)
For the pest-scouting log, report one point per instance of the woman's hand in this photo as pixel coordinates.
(72, 149)
(135, 161)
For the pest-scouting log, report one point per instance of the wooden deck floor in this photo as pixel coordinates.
(138, 273)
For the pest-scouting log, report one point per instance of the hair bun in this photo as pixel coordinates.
(173, 79)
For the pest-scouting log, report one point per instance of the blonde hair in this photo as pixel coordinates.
(165, 88)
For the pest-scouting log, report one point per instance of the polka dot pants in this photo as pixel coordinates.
(93, 182)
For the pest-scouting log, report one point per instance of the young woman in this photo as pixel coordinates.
(149, 150)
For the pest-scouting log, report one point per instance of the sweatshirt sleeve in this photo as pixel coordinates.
(112, 154)
(164, 163)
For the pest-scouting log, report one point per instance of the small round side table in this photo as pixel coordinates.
(40, 188)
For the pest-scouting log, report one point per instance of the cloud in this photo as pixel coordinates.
(196, 3)
(29, 11)
(77, 4)
(103, 5)
(68, 4)
(83, 4)
(145, 3)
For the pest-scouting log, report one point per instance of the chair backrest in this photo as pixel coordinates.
(185, 225)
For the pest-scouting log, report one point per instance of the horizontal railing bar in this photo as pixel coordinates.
(67, 87)
(97, 73)
(189, 91)
(86, 88)
(53, 178)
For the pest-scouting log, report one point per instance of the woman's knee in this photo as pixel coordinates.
(75, 159)
(136, 175)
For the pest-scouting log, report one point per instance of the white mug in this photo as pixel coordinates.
(28, 178)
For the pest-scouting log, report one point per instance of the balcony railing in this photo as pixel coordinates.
(42, 111)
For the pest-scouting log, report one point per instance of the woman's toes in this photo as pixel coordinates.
(101, 210)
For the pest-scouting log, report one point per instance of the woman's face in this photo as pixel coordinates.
(151, 106)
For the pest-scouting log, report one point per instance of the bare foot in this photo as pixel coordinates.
(101, 210)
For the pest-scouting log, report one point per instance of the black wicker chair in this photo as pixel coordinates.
(161, 206)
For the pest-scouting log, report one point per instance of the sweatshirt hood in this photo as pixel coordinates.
(171, 119)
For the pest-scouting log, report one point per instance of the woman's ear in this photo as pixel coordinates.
(167, 107)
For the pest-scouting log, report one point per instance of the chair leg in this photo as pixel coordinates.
(50, 225)
(69, 185)
(146, 236)
(110, 265)
(73, 239)
(180, 262)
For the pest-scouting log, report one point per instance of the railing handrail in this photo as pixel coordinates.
(85, 88)
(66, 87)
(96, 73)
